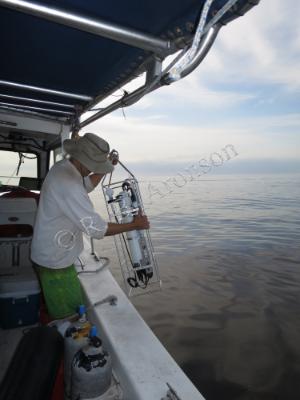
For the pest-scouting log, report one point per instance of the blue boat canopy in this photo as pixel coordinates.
(61, 57)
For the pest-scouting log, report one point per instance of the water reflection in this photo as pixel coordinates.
(229, 256)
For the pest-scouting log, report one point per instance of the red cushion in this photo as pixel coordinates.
(10, 231)
(19, 192)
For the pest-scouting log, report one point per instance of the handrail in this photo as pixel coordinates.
(42, 109)
(22, 86)
(30, 100)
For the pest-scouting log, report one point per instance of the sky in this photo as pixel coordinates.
(246, 94)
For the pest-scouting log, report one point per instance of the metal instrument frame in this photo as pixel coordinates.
(127, 269)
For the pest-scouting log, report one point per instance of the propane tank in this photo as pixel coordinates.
(76, 337)
(91, 370)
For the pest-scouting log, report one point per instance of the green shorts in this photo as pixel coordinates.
(62, 290)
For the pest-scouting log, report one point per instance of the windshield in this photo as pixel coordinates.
(15, 165)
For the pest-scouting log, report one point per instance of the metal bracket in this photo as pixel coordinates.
(82, 264)
(154, 69)
(111, 300)
(93, 252)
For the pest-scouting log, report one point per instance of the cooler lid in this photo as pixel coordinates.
(18, 282)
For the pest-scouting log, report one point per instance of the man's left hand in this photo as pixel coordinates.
(114, 157)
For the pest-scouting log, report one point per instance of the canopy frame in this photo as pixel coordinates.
(97, 27)
(193, 48)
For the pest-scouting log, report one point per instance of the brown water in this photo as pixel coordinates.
(229, 257)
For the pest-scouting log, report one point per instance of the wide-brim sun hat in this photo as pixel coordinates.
(91, 151)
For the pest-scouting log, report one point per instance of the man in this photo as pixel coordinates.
(64, 213)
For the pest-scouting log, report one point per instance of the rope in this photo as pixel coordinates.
(175, 73)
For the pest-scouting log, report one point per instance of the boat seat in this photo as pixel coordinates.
(19, 192)
(17, 217)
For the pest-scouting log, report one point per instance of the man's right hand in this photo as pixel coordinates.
(141, 221)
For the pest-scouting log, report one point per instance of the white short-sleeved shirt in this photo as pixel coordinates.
(65, 211)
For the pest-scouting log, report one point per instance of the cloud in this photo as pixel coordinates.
(193, 92)
(139, 139)
(262, 46)
(190, 92)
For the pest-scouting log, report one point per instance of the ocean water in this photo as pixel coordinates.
(229, 257)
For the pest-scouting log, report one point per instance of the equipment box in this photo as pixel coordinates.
(19, 299)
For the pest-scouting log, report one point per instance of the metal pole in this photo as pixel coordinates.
(32, 113)
(130, 98)
(97, 27)
(204, 48)
(51, 110)
(51, 103)
(153, 82)
(16, 85)
(92, 247)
